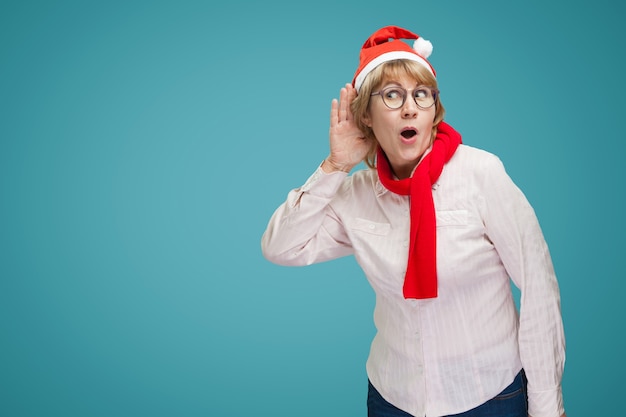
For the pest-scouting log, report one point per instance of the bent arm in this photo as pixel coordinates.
(305, 229)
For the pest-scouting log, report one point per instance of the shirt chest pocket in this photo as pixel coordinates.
(447, 218)
(370, 227)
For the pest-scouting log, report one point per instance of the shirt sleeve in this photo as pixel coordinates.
(513, 228)
(304, 229)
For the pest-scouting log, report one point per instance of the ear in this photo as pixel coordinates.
(366, 121)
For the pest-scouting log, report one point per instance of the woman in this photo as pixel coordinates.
(438, 228)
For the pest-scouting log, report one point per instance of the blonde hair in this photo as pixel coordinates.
(374, 80)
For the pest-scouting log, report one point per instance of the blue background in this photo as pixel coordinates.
(144, 146)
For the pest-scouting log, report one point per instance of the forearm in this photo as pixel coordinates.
(304, 229)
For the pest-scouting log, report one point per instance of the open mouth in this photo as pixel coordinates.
(408, 133)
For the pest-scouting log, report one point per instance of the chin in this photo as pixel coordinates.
(415, 155)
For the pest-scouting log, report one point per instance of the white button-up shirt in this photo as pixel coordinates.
(449, 354)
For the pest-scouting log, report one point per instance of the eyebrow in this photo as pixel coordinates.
(396, 83)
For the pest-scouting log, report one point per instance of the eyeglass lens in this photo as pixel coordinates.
(394, 97)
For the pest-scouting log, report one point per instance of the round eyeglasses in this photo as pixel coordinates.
(394, 96)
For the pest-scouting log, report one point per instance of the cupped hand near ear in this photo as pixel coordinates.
(348, 146)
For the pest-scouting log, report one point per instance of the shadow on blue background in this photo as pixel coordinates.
(144, 145)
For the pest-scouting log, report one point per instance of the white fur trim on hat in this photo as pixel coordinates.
(389, 56)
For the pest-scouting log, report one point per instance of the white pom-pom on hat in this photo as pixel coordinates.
(423, 47)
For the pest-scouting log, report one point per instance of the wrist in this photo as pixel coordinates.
(328, 166)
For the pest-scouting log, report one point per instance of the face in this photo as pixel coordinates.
(404, 133)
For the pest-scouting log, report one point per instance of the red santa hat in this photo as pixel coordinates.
(385, 45)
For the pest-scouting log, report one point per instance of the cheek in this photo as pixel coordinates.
(429, 121)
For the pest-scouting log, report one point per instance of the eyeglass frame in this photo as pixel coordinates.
(433, 91)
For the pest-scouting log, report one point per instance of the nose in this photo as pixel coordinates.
(409, 108)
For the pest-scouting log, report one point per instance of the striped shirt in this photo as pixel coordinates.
(448, 354)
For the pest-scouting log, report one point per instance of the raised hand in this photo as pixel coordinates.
(348, 146)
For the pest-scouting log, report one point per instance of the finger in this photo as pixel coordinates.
(334, 106)
(343, 98)
(350, 98)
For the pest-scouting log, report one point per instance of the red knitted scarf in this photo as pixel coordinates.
(420, 280)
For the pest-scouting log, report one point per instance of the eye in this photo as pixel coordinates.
(394, 94)
(421, 93)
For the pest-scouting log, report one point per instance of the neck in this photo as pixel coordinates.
(402, 172)
(405, 171)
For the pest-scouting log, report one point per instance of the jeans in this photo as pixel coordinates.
(511, 402)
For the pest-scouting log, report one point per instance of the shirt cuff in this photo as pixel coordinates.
(546, 403)
(322, 184)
